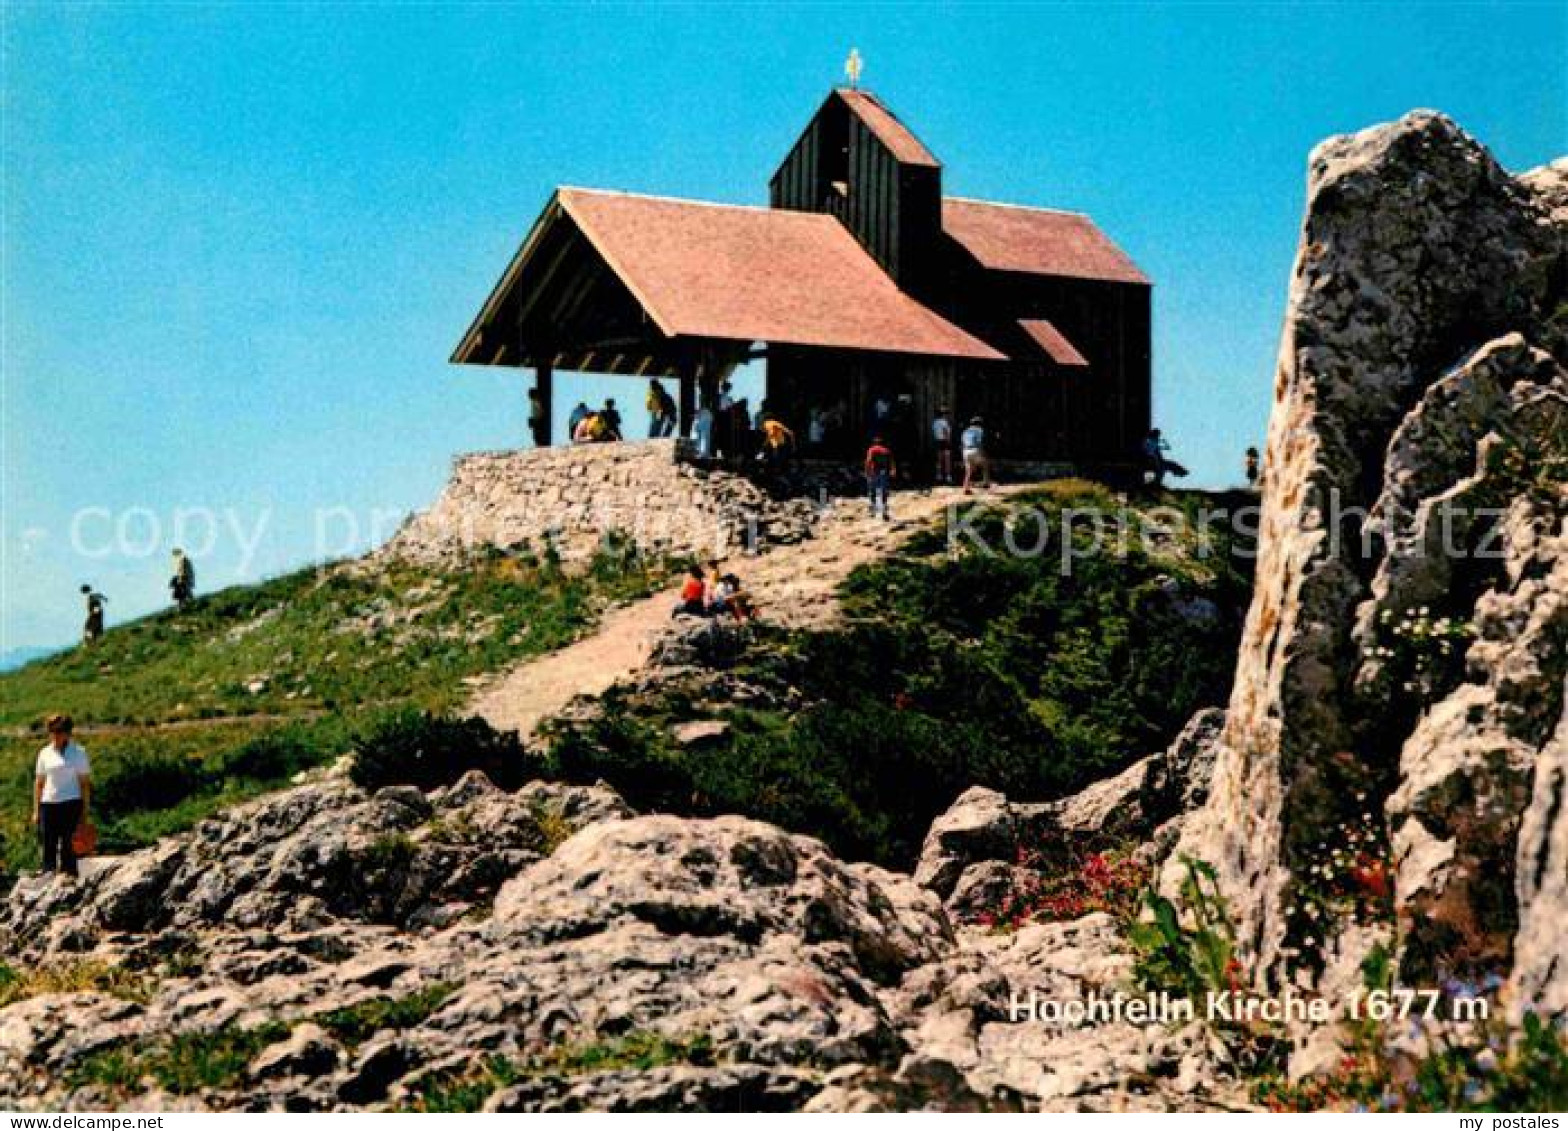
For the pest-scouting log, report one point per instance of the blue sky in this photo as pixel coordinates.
(241, 240)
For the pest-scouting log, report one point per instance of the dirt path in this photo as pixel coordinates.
(540, 687)
(794, 586)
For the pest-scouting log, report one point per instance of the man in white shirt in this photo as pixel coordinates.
(62, 788)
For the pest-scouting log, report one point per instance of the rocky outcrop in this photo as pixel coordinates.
(304, 859)
(1402, 662)
(573, 498)
(972, 848)
(751, 968)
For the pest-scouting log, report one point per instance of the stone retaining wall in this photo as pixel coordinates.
(575, 496)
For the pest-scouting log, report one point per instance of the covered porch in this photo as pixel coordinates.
(650, 287)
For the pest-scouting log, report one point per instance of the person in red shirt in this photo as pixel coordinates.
(880, 469)
(694, 594)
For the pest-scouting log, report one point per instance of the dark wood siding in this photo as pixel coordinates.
(1034, 409)
(841, 167)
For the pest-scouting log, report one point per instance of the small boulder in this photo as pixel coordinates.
(307, 1051)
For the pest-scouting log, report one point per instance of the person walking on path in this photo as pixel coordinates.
(942, 437)
(976, 465)
(62, 789)
(880, 469)
(182, 580)
(662, 411)
(1252, 468)
(93, 629)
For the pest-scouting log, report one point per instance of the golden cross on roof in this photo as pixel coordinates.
(853, 66)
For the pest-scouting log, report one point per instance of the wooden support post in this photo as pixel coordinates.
(544, 382)
(688, 404)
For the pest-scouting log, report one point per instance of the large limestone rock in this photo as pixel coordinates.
(794, 980)
(1413, 473)
(308, 857)
(973, 845)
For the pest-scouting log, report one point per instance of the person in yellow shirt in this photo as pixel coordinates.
(777, 441)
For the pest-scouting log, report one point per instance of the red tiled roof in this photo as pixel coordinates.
(758, 274)
(1036, 241)
(882, 122)
(1053, 342)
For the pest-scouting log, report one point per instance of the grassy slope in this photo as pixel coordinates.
(184, 713)
(951, 671)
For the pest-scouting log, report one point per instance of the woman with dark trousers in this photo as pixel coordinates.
(62, 788)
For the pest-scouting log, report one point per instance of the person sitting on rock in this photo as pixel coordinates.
(694, 594)
(579, 414)
(730, 596)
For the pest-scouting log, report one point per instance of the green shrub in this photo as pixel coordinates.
(1407, 1064)
(638, 1050)
(615, 747)
(355, 1024)
(146, 779)
(72, 976)
(182, 1065)
(271, 757)
(951, 671)
(413, 747)
(1187, 961)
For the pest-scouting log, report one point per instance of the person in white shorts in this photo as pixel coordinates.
(975, 464)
